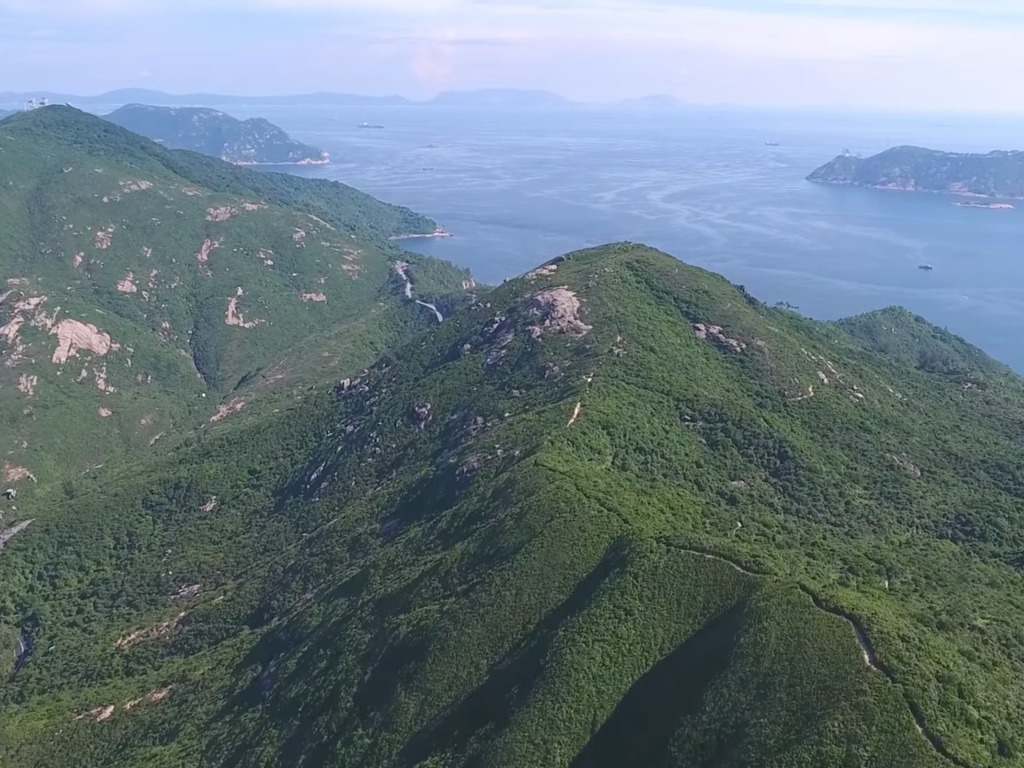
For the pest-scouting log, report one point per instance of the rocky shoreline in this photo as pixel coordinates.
(439, 232)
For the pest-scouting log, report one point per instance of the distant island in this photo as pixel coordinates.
(998, 174)
(242, 142)
(980, 204)
(496, 98)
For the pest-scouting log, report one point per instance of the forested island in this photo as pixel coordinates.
(997, 174)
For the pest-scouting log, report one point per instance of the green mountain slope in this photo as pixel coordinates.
(996, 174)
(617, 511)
(244, 142)
(912, 340)
(140, 287)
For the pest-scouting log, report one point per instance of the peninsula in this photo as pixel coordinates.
(243, 142)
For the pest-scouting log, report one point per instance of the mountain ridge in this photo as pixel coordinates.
(146, 290)
(549, 509)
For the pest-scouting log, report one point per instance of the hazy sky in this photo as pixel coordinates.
(948, 54)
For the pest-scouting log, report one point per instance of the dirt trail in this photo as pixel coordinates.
(866, 648)
(575, 414)
(437, 313)
(22, 654)
(400, 270)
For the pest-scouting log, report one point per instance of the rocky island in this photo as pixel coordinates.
(243, 142)
(998, 174)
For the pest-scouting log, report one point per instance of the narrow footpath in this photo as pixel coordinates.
(401, 268)
(867, 650)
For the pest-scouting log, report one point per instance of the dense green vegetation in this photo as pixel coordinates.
(244, 142)
(173, 282)
(996, 174)
(616, 511)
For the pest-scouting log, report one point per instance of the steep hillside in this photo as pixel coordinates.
(915, 169)
(243, 142)
(912, 340)
(141, 287)
(615, 512)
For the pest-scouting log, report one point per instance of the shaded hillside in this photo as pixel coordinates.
(243, 142)
(616, 511)
(914, 169)
(136, 297)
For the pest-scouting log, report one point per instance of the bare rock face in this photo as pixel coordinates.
(421, 415)
(208, 247)
(545, 271)
(557, 310)
(232, 315)
(74, 336)
(221, 213)
(156, 632)
(714, 335)
(127, 284)
(102, 238)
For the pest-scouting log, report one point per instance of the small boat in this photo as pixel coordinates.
(926, 267)
(771, 143)
(370, 125)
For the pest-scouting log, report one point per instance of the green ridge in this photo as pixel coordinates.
(446, 562)
(150, 254)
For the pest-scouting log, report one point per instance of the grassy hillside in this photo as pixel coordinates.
(142, 287)
(617, 511)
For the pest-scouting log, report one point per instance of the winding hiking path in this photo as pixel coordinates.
(400, 269)
(867, 650)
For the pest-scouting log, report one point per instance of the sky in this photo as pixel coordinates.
(932, 55)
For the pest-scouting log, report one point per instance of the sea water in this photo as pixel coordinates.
(706, 185)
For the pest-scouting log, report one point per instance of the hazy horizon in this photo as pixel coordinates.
(913, 55)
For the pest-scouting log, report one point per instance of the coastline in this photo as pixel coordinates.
(917, 190)
(306, 162)
(976, 204)
(424, 236)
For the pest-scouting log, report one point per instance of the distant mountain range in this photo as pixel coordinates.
(243, 142)
(487, 97)
(916, 169)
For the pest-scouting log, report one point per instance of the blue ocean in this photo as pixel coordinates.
(720, 188)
